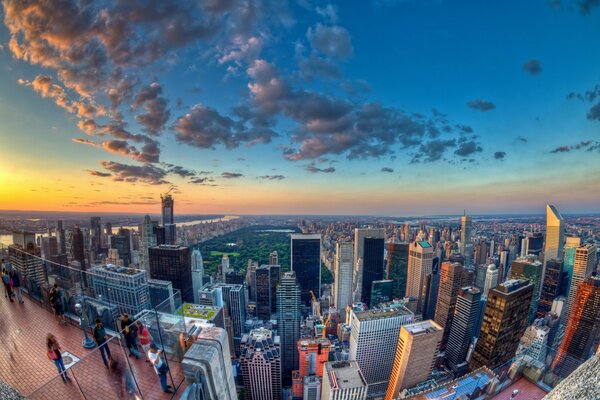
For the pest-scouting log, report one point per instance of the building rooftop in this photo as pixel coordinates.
(463, 387)
(422, 328)
(374, 314)
(306, 236)
(527, 391)
(117, 269)
(512, 285)
(344, 375)
(424, 243)
(198, 311)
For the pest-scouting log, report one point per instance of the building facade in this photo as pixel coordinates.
(261, 365)
(173, 263)
(583, 266)
(288, 319)
(529, 268)
(343, 380)
(464, 327)
(420, 260)
(343, 267)
(397, 268)
(306, 263)
(127, 288)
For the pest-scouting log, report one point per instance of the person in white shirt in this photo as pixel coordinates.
(160, 367)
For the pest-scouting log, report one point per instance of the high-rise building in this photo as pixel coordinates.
(583, 328)
(381, 292)
(122, 244)
(343, 380)
(420, 260)
(28, 262)
(197, 273)
(147, 240)
(306, 263)
(585, 262)
(553, 285)
(372, 266)
(274, 258)
(343, 268)
(78, 247)
(532, 244)
(60, 232)
(534, 342)
(167, 218)
(127, 288)
(432, 289)
(267, 279)
(261, 365)
(397, 268)
(374, 336)
(491, 279)
(466, 245)
(313, 354)
(362, 289)
(415, 356)
(504, 322)
(209, 359)
(571, 245)
(555, 233)
(453, 276)
(529, 268)
(288, 322)
(464, 327)
(312, 388)
(95, 238)
(173, 263)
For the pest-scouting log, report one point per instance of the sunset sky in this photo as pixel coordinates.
(352, 107)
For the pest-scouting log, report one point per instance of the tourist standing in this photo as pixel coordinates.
(99, 334)
(55, 355)
(160, 367)
(129, 329)
(16, 284)
(144, 336)
(6, 282)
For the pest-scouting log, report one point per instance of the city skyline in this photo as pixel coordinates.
(257, 109)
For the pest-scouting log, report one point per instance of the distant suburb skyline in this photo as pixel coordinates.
(376, 107)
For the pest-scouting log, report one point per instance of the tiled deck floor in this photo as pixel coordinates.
(25, 366)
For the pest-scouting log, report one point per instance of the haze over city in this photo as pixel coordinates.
(374, 107)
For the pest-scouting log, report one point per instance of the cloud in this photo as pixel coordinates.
(231, 175)
(98, 173)
(148, 174)
(499, 155)
(586, 6)
(329, 12)
(272, 177)
(585, 144)
(84, 141)
(520, 139)
(481, 105)
(533, 67)
(331, 41)
(465, 149)
(433, 150)
(387, 169)
(313, 169)
(157, 114)
(199, 180)
(181, 171)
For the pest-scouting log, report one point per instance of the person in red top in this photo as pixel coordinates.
(144, 337)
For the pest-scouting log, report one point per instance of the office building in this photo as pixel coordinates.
(78, 248)
(569, 251)
(415, 356)
(397, 268)
(306, 263)
(432, 288)
(62, 241)
(583, 328)
(313, 354)
(312, 388)
(583, 266)
(420, 260)
(532, 244)
(553, 285)
(534, 342)
(555, 234)
(274, 258)
(362, 289)
(529, 268)
(464, 327)
(28, 262)
(491, 279)
(197, 273)
(147, 240)
(343, 269)
(208, 363)
(260, 361)
(343, 380)
(173, 263)
(453, 276)
(466, 246)
(504, 322)
(373, 338)
(160, 293)
(267, 278)
(121, 243)
(372, 266)
(95, 238)
(381, 292)
(167, 218)
(288, 322)
(127, 288)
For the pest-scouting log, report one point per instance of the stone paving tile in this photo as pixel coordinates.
(25, 366)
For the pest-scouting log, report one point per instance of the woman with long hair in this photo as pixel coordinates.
(55, 355)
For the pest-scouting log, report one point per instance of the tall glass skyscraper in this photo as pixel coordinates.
(466, 246)
(288, 321)
(306, 263)
(555, 234)
(397, 268)
(372, 267)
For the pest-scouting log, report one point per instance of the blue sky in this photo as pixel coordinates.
(367, 107)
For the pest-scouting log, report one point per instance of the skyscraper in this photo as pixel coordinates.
(491, 279)
(585, 262)
(127, 288)
(555, 234)
(306, 263)
(464, 326)
(167, 218)
(122, 244)
(78, 247)
(415, 356)
(343, 268)
(372, 266)
(267, 278)
(553, 285)
(381, 292)
(583, 328)
(371, 272)
(288, 322)
(261, 365)
(420, 259)
(95, 238)
(197, 273)
(397, 267)
(453, 276)
(504, 322)
(60, 232)
(313, 354)
(274, 258)
(466, 246)
(532, 269)
(343, 380)
(571, 245)
(173, 263)
(372, 342)
(147, 240)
